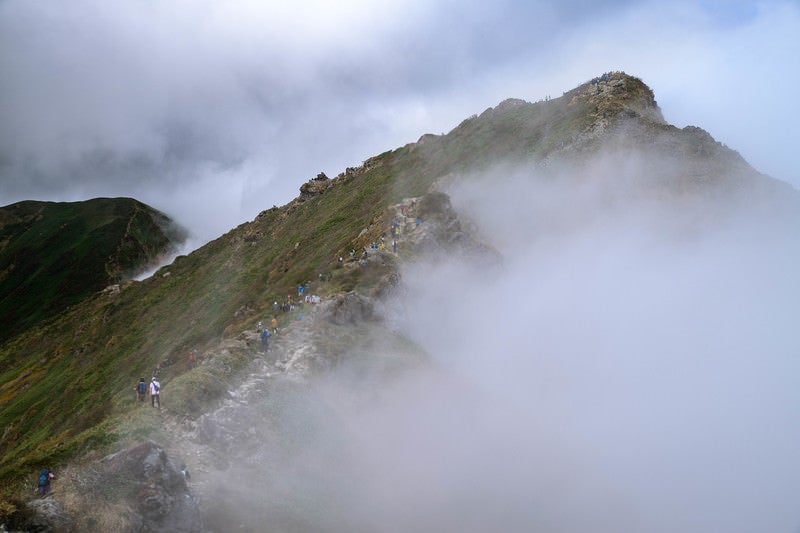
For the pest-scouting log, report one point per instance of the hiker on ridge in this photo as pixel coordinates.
(155, 392)
(141, 389)
(44, 481)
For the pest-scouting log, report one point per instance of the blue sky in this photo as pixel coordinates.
(215, 111)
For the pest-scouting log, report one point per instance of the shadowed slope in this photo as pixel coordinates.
(55, 254)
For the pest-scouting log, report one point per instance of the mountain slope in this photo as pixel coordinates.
(53, 255)
(92, 354)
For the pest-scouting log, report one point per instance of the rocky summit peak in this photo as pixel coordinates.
(613, 93)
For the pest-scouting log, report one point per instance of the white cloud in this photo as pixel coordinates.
(118, 98)
(628, 371)
(630, 368)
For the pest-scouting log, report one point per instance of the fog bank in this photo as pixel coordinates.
(632, 369)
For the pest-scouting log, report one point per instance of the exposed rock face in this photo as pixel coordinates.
(314, 186)
(135, 490)
(617, 92)
(442, 233)
(144, 481)
(47, 515)
(350, 308)
(161, 487)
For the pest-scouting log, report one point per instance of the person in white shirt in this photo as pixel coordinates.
(155, 390)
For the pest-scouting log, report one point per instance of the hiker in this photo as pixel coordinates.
(141, 389)
(259, 326)
(44, 481)
(192, 359)
(274, 324)
(300, 289)
(265, 339)
(155, 392)
(185, 472)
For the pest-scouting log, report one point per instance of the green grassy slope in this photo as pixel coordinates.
(60, 380)
(65, 384)
(55, 254)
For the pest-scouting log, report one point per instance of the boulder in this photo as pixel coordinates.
(350, 308)
(142, 481)
(47, 514)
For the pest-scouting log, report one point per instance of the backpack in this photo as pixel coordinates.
(157, 388)
(142, 387)
(44, 476)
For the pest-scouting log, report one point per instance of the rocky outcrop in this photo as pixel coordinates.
(146, 484)
(314, 186)
(616, 92)
(350, 308)
(136, 490)
(161, 495)
(42, 515)
(442, 232)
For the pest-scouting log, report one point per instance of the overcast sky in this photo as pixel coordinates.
(213, 111)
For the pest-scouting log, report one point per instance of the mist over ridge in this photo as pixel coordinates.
(589, 328)
(628, 368)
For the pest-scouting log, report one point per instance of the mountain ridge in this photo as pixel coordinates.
(210, 299)
(54, 254)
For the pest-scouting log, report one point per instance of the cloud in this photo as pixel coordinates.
(630, 368)
(158, 100)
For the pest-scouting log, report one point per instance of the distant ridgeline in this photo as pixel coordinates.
(55, 254)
